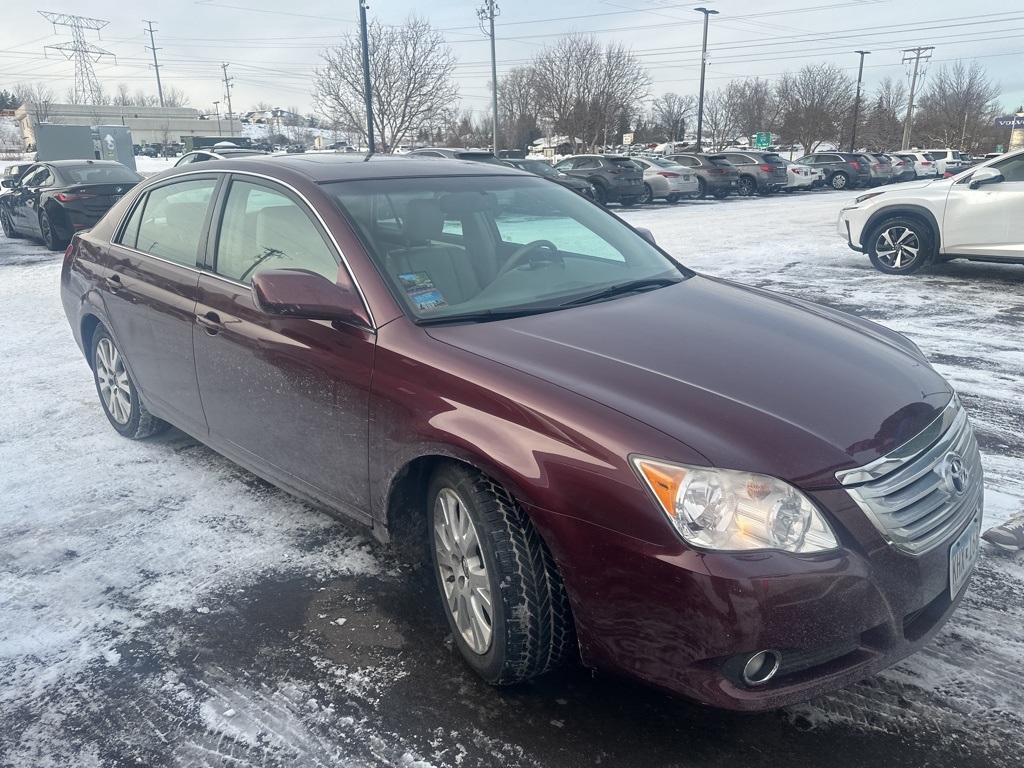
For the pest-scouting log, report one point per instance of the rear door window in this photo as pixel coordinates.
(169, 222)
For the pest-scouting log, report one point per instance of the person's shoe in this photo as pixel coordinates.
(1009, 535)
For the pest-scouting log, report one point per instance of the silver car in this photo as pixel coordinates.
(666, 180)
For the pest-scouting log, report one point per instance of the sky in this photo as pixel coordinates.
(273, 48)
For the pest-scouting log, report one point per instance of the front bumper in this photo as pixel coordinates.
(679, 619)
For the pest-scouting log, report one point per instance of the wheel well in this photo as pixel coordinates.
(89, 325)
(902, 213)
(406, 512)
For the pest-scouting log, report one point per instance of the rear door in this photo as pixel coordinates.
(287, 397)
(150, 295)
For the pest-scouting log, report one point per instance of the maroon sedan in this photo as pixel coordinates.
(743, 498)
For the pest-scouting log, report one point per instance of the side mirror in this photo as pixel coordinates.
(8, 183)
(302, 294)
(985, 176)
(647, 235)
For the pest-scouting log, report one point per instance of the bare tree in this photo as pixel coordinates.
(517, 106)
(671, 113)
(882, 126)
(719, 129)
(755, 106)
(586, 90)
(122, 96)
(410, 74)
(817, 105)
(174, 97)
(38, 100)
(957, 107)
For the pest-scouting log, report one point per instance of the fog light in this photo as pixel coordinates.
(761, 667)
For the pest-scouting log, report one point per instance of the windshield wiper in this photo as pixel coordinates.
(484, 315)
(623, 288)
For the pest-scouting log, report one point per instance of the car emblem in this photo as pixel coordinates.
(955, 473)
(118, 190)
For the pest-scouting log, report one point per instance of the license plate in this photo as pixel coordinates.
(686, 178)
(963, 555)
(732, 183)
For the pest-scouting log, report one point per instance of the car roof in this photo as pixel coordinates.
(76, 163)
(320, 168)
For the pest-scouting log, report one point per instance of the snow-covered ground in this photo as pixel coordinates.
(161, 606)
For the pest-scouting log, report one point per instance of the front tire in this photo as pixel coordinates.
(502, 594)
(900, 246)
(721, 194)
(118, 395)
(7, 224)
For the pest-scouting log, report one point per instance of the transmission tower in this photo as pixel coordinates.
(87, 87)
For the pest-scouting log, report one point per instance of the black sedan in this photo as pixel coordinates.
(55, 199)
(539, 167)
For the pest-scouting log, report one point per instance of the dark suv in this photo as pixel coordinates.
(715, 175)
(843, 170)
(761, 172)
(615, 178)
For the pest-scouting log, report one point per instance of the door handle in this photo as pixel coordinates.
(211, 322)
(114, 283)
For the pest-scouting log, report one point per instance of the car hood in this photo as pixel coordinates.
(751, 380)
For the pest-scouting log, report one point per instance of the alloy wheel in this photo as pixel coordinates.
(898, 247)
(113, 381)
(463, 572)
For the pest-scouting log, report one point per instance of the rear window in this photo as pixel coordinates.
(625, 162)
(103, 174)
(774, 160)
(479, 157)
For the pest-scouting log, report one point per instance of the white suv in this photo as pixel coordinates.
(975, 215)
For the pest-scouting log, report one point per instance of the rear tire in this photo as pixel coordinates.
(503, 597)
(647, 196)
(118, 395)
(51, 239)
(746, 186)
(839, 180)
(702, 189)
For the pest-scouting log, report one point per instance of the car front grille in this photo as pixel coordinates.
(922, 492)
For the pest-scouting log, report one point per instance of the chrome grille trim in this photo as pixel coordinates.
(906, 495)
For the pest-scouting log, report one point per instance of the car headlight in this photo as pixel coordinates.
(868, 196)
(726, 510)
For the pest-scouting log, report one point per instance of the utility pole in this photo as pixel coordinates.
(917, 54)
(703, 64)
(488, 12)
(227, 92)
(856, 102)
(366, 76)
(156, 67)
(216, 107)
(87, 87)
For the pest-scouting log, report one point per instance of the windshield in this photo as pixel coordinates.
(481, 247)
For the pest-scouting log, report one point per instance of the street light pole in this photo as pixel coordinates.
(703, 63)
(856, 102)
(366, 76)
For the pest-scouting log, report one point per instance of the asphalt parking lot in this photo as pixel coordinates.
(161, 606)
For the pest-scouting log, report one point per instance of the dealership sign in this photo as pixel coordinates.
(1010, 122)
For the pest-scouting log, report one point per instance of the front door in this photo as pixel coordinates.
(287, 397)
(989, 220)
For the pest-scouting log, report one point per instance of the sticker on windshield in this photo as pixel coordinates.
(422, 291)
